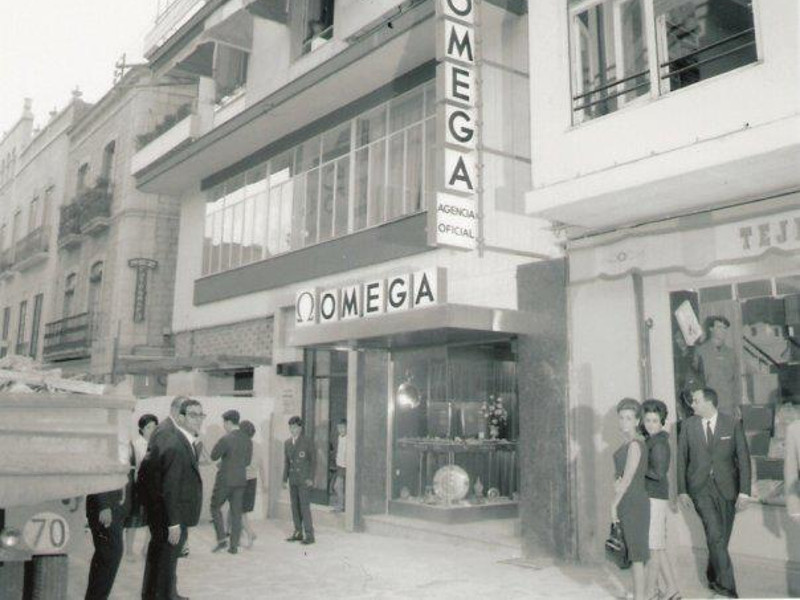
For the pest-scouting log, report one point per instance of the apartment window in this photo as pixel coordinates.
(69, 293)
(317, 24)
(230, 72)
(80, 185)
(6, 331)
(21, 345)
(34, 214)
(35, 324)
(360, 173)
(693, 40)
(107, 167)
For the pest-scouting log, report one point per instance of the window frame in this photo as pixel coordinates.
(655, 41)
(307, 160)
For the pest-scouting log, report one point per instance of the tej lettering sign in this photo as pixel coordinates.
(407, 291)
(754, 237)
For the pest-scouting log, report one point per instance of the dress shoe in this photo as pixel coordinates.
(184, 552)
(179, 597)
(233, 550)
(221, 545)
(295, 537)
(307, 541)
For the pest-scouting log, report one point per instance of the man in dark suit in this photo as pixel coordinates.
(714, 476)
(105, 514)
(175, 495)
(298, 472)
(234, 451)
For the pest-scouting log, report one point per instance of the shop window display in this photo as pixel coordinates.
(746, 347)
(455, 430)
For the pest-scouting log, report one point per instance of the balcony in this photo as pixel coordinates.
(32, 249)
(68, 339)
(7, 263)
(95, 209)
(21, 348)
(174, 132)
(69, 226)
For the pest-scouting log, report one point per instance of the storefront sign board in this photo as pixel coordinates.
(371, 298)
(455, 221)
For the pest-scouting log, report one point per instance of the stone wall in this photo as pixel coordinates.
(248, 338)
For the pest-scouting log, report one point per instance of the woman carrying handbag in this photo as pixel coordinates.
(631, 506)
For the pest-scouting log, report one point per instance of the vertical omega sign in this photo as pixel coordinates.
(454, 222)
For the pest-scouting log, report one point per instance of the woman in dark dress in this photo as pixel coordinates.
(657, 483)
(631, 506)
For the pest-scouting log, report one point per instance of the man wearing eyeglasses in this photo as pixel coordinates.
(176, 495)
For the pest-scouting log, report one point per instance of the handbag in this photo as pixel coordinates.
(616, 548)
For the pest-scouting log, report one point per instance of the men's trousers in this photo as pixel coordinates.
(301, 509)
(234, 496)
(106, 558)
(160, 569)
(717, 515)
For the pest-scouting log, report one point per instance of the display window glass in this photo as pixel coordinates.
(743, 340)
(454, 430)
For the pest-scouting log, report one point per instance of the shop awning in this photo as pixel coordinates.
(443, 324)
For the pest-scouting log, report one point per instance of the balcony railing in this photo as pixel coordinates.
(70, 222)
(68, 338)
(35, 243)
(95, 204)
(83, 214)
(21, 348)
(6, 260)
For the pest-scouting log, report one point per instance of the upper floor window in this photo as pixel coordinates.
(612, 41)
(35, 214)
(80, 183)
(318, 24)
(69, 294)
(230, 72)
(360, 173)
(107, 168)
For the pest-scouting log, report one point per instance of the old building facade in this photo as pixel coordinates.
(665, 143)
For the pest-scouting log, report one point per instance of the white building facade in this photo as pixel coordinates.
(666, 143)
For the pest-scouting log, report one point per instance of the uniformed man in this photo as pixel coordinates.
(298, 473)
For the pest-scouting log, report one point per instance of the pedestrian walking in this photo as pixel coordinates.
(174, 493)
(254, 473)
(631, 506)
(105, 513)
(233, 451)
(654, 417)
(136, 516)
(714, 476)
(298, 474)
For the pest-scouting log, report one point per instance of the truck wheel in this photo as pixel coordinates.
(50, 577)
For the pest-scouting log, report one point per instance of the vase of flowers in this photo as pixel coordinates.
(495, 414)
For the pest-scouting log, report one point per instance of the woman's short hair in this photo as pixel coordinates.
(248, 428)
(652, 405)
(145, 419)
(630, 404)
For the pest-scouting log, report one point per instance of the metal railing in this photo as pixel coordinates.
(95, 203)
(35, 242)
(6, 259)
(689, 56)
(72, 334)
(70, 221)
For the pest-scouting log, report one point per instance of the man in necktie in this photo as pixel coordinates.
(714, 477)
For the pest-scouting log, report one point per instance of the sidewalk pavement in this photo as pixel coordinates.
(357, 566)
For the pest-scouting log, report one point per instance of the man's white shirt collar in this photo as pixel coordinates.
(713, 421)
(187, 434)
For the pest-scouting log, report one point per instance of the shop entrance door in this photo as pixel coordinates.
(324, 404)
